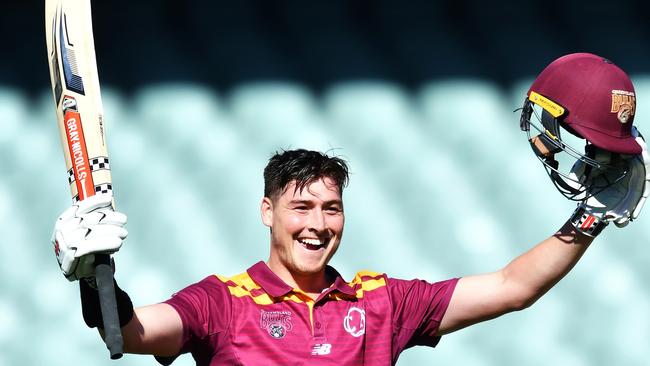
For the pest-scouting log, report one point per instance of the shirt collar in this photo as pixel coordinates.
(339, 283)
(270, 282)
(274, 286)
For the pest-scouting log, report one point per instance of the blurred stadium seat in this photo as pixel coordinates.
(443, 184)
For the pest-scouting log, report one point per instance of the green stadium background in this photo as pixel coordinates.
(443, 183)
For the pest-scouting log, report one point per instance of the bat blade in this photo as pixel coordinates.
(79, 111)
(75, 86)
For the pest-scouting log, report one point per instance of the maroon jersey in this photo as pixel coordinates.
(255, 318)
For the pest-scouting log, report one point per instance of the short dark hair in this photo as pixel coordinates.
(303, 167)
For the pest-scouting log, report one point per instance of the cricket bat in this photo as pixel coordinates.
(79, 111)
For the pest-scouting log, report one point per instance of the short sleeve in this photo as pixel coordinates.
(205, 310)
(418, 307)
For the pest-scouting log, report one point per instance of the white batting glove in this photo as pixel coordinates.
(619, 203)
(88, 227)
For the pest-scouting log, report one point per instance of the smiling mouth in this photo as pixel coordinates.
(313, 244)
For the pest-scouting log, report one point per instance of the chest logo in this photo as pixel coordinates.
(276, 323)
(321, 349)
(355, 322)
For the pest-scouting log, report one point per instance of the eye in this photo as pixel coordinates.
(333, 210)
(300, 208)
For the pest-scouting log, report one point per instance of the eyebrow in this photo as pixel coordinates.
(325, 203)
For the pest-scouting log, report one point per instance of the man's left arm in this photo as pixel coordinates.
(516, 286)
(529, 276)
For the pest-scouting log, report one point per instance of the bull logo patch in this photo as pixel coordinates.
(276, 323)
(276, 331)
(623, 104)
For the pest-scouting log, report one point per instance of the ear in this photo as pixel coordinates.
(266, 210)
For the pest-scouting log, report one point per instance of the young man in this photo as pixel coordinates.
(295, 309)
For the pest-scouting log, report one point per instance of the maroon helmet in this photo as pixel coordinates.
(598, 98)
(590, 97)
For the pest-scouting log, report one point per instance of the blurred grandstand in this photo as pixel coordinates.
(418, 97)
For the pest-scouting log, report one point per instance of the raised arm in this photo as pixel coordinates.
(92, 226)
(617, 199)
(517, 285)
(155, 330)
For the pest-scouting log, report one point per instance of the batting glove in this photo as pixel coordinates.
(620, 202)
(88, 227)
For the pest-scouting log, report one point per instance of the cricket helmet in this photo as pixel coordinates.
(592, 99)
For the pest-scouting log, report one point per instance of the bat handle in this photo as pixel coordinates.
(108, 304)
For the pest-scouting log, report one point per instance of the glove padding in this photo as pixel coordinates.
(622, 201)
(88, 227)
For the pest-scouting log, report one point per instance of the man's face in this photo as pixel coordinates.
(306, 227)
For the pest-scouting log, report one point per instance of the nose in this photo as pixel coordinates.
(317, 221)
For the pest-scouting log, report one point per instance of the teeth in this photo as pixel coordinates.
(312, 241)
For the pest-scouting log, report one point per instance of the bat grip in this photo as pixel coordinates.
(108, 305)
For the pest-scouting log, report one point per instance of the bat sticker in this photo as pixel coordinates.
(77, 147)
(54, 60)
(71, 75)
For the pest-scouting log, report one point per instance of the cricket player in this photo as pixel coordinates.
(294, 309)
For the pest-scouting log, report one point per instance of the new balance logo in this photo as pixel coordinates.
(321, 349)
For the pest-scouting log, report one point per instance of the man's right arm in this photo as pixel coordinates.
(92, 226)
(155, 329)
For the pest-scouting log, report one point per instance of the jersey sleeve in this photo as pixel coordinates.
(418, 307)
(205, 310)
